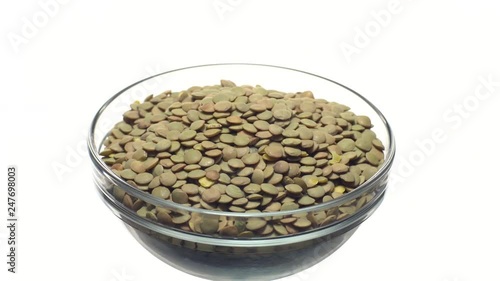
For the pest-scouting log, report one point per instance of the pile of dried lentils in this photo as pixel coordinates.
(240, 149)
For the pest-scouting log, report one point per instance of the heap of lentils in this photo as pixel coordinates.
(242, 148)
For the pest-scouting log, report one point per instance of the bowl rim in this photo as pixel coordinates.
(390, 151)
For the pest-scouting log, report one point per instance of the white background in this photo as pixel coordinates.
(439, 221)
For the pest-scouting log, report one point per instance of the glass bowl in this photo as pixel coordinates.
(186, 238)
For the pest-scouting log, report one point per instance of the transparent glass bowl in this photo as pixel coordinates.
(247, 255)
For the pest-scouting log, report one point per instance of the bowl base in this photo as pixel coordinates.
(232, 265)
